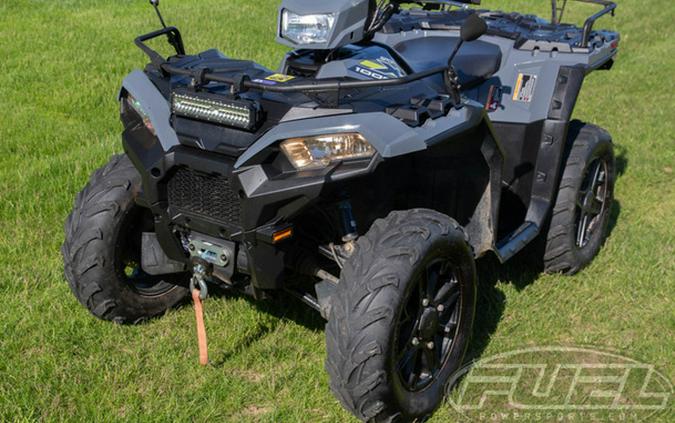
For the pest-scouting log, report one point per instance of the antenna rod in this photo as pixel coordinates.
(172, 36)
(155, 4)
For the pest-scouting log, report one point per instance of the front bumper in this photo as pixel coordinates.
(192, 190)
(221, 167)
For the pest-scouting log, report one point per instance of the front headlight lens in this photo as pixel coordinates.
(318, 152)
(306, 29)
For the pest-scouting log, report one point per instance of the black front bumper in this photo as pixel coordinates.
(193, 190)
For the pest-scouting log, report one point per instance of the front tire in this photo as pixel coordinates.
(402, 317)
(102, 250)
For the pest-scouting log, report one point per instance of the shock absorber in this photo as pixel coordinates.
(349, 228)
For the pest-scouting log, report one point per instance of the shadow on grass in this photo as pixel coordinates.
(490, 305)
(621, 161)
(222, 358)
(491, 300)
(285, 307)
(615, 211)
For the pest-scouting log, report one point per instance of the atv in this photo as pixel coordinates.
(395, 145)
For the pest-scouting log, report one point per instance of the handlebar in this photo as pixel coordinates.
(243, 82)
(175, 39)
(313, 87)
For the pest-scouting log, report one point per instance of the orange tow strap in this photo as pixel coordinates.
(201, 329)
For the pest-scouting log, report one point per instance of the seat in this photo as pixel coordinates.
(475, 63)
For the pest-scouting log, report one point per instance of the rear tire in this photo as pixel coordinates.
(390, 356)
(101, 251)
(580, 217)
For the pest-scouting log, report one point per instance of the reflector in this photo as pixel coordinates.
(282, 235)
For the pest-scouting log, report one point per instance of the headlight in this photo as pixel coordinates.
(306, 29)
(136, 105)
(318, 152)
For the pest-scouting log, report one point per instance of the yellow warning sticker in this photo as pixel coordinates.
(277, 77)
(525, 87)
(373, 65)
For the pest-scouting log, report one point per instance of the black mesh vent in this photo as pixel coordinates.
(201, 194)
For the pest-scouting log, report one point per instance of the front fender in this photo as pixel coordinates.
(157, 107)
(388, 135)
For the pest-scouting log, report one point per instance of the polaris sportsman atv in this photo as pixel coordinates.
(394, 146)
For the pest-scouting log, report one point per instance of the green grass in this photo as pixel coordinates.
(60, 69)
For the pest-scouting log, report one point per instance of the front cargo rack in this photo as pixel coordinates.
(243, 82)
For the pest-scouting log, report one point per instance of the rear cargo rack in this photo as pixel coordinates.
(609, 7)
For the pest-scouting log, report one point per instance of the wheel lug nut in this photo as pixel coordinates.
(415, 341)
(440, 308)
(425, 302)
(430, 345)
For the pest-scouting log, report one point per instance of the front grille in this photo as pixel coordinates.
(204, 195)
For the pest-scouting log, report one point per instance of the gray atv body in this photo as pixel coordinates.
(519, 82)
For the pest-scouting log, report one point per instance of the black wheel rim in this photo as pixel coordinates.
(592, 202)
(128, 255)
(428, 326)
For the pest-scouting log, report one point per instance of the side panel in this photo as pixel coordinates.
(459, 176)
(538, 68)
(536, 91)
(549, 161)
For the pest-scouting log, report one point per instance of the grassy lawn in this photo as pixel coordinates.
(61, 65)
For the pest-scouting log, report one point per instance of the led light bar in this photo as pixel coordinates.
(236, 113)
